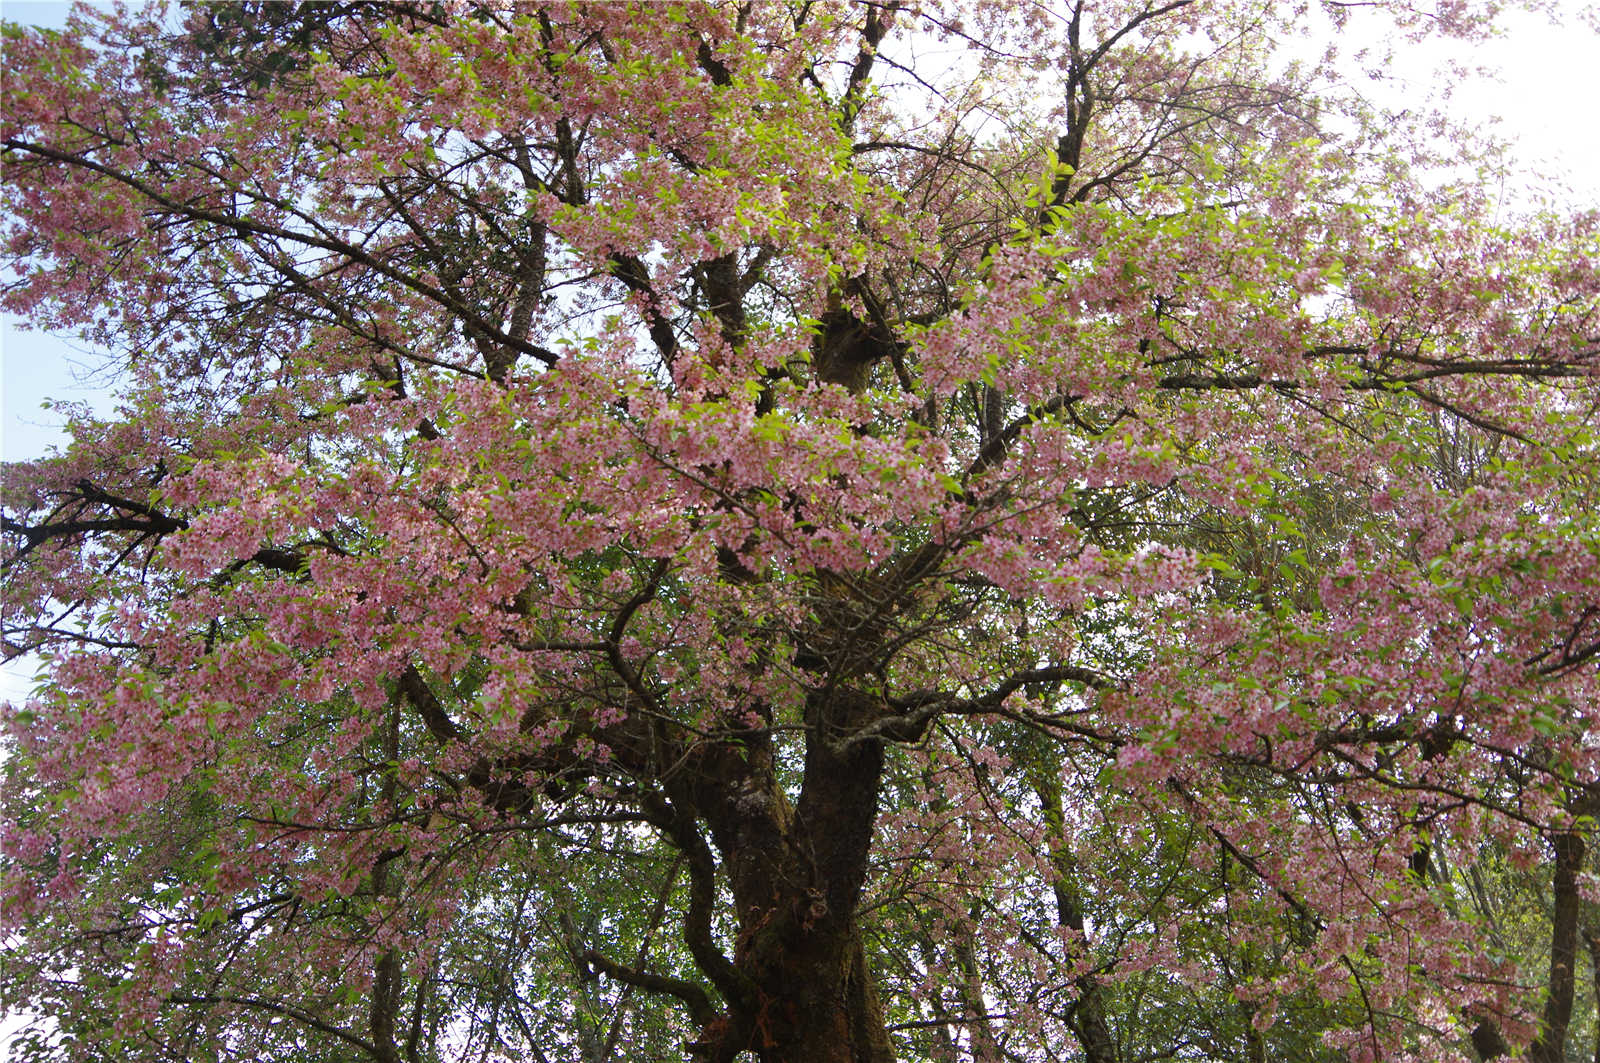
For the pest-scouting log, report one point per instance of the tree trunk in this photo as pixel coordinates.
(1551, 1047)
(796, 878)
(1488, 1042)
(816, 1003)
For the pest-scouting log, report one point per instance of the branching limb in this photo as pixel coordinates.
(919, 709)
(700, 1007)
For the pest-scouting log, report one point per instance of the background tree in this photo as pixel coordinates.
(689, 530)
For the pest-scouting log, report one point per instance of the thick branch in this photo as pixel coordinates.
(700, 1006)
(702, 900)
(872, 34)
(428, 706)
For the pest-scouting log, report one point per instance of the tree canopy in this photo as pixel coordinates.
(814, 531)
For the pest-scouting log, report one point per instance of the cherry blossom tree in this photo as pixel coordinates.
(812, 531)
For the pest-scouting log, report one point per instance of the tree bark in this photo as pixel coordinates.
(796, 876)
(1551, 1047)
(1488, 1042)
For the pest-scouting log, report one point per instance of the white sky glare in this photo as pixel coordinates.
(1547, 97)
(1537, 92)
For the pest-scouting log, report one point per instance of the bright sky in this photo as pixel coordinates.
(1541, 97)
(1546, 99)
